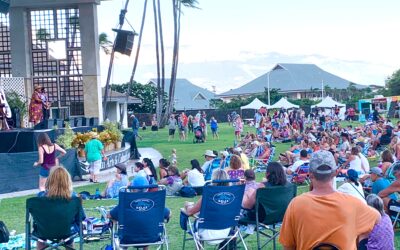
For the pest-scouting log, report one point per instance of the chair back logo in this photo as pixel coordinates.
(224, 198)
(142, 205)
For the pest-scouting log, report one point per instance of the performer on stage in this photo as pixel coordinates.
(45, 103)
(36, 106)
(5, 111)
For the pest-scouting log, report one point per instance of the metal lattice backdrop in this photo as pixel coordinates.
(17, 85)
(5, 49)
(62, 78)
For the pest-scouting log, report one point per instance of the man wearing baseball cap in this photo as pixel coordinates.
(324, 215)
(379, 183)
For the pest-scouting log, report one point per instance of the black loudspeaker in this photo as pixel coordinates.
(78, 121)
(94, 121)
(85, 121)
(124, 41)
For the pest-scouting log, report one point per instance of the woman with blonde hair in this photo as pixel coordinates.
(47, 157)
(59, 186)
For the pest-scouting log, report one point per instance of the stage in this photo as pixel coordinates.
(24, 140)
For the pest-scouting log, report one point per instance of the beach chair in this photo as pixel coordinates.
(211, 167)
(219, 213)
(140, 218)
(302, 174)
(51, 220)
(260, 165)
(394, 215)
(271, 205)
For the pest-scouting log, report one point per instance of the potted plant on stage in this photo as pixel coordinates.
(79, 142)
(106, 138)
(114, 133)
(65, 140)
(18, 106)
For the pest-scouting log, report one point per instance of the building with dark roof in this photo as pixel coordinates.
(295, 81)
(188, 96)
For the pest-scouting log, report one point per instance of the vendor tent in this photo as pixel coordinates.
(255, 104)
(328, 102)
(283, 103)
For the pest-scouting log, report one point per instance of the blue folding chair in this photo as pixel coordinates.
(220, 210)
(140, 218)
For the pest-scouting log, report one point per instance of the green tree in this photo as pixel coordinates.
(42, 34)
(393, 83)
(147, 93)
(105, 44)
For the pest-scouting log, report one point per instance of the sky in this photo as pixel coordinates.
(227, 43)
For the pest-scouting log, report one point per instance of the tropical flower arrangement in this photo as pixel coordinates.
(80, 140)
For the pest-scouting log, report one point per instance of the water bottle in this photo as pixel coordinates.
(97, 193)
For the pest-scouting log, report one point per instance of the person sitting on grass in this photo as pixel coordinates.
(163, 168)
(352, 186)
(120, 180)
(193, 177)
(59, 186)
(250, 189)
(382, 235)
(235, 170)
(173, 182)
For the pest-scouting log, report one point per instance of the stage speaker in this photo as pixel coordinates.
(59, 123)
(124, 41)
(78, 121)
(85, 121)
(94, 121)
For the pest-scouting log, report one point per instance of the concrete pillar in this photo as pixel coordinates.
(20, 46)
(90, 60)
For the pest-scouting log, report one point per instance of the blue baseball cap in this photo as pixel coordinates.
(139, 181)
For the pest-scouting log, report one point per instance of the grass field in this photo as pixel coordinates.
(12, 211)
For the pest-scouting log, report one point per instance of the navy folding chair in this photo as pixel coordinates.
(220, 210)
(140, 218)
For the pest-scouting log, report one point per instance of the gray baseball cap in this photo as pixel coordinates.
(322, 158)
(376, 171)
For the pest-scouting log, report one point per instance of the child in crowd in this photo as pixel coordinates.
(173, 158)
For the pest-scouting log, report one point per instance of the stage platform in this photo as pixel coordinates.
(24, 140)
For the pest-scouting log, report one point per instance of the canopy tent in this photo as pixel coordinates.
(283, 103)
(328, 102)
(255, 104)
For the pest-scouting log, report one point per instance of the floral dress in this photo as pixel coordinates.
(36, 108)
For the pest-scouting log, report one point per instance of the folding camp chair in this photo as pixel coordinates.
(140, 218)
(260, 165)
(51, 221)
(271, 205)
(302, 174)
(395, 214)
(211, 167)
(220, 210)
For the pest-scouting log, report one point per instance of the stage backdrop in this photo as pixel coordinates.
(18, 173)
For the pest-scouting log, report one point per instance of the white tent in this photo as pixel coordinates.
(255, 104)
(283, 103)
(328, 102)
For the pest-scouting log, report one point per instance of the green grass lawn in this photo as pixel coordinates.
(12, 211)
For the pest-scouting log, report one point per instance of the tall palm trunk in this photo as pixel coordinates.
(162, 66)
(160, 92)
(175, 56)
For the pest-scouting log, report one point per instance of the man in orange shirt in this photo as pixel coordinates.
(324, 215)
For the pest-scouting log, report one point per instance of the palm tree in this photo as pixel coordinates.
(176, 5)
(105, 43)
(160, 89)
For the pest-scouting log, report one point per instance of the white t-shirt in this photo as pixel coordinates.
(297, 164)
(351, 189)
(365, 163)
(206, 164)
(195, 178)
(209, 234)
(356, 164)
